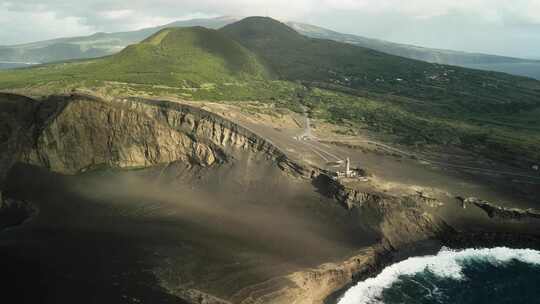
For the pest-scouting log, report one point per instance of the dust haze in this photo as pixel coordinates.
(275, 219)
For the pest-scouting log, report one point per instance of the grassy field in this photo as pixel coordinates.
(259, 59)
(442, 89)
(188, 58)
(505, 143)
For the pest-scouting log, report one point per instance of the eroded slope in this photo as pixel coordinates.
(215, 212)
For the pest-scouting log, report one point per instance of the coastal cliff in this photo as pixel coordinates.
(401, 222)
(73, 134)
(86, 132)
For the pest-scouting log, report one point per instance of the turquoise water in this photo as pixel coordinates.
(494, 276)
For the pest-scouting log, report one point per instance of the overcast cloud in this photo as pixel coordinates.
(508, 27)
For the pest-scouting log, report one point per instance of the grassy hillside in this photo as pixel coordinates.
(417, 101)
(93, 46)
(408, 101)
(356, 70)
(515, 66)
(440, 56)
(103, 44)
(190, 57)
(512, 139)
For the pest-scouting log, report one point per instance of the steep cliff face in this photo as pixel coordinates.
(72, 134)
(400, 220)
(84, 132)
(500, 213)
(16, 124)
(91, 133)
(314, 285)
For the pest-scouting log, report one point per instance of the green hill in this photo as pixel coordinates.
(441, 56)
(93, 46)
(416, 102)
(103, 44)
(195, 55)
(404, 100)
(326, 63)
(172, 57)
(510, 65)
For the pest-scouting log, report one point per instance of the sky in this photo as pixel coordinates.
(504, 27)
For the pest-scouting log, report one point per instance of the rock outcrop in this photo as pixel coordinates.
(498, 212)
(75, 133)
(347, 197)
(314, 285)
(17, 121)
(400, 220)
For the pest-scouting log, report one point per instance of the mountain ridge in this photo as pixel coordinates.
(296, 57)
(430, 54)
(193, 56)
(528, 67)
(81, 47)
(261, 59)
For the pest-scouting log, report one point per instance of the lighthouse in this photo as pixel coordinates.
(348, 168)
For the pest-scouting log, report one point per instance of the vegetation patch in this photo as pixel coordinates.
(262, 60)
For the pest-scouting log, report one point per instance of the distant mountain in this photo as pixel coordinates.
(93, 46)
(180, 57)
(361, 71)
(409, 51)
(103, 44)
(432, 102)
(262, 59)
(517, 66)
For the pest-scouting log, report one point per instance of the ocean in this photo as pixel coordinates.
(528, 69)
(12, 65)
(479, 276)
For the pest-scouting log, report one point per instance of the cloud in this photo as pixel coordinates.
(128, 19)
(117, 14)
(488, 10)
(24, 26)
(524, 11)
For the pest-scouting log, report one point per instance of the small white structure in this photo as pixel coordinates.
(535, 167)
(348, 172)
(355, 173)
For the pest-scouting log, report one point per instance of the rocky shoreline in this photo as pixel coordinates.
(327, 283)
(447, 236)
(455, 241)
(494, 211)
(139, 133)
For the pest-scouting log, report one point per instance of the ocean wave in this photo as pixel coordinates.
(446, 264)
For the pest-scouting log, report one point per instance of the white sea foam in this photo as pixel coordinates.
(446, 264)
